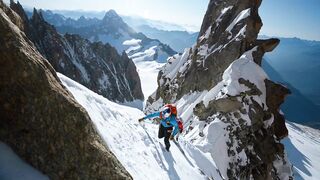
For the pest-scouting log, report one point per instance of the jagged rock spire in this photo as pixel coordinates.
(231, 97)
(37, 16)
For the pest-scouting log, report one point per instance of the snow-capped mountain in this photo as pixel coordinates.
(132, 21)
(60, 20)
(75, 14)
(224, 96)
(178, 40)
(95, 65)
(113, 30)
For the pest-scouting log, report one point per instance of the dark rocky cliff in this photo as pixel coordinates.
(233, 100)
(40, 119)
(97, 66)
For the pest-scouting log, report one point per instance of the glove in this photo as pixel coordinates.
(141, 119)
(171, 137)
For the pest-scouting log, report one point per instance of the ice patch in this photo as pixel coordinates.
(223, 11)
(206, 34)
(242, 15)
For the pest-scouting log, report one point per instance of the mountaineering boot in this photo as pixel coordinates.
(167, 148)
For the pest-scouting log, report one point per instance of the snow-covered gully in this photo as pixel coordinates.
(137, 146)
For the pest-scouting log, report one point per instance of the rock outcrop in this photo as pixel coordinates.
(98, 66)
(235, 106)
(40, 119)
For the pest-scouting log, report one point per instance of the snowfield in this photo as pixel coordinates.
(132, 42)
(148, 73)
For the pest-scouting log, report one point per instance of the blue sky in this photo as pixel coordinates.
(291, 18)
(285, 18)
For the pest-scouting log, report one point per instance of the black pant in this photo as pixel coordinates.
(165, 132)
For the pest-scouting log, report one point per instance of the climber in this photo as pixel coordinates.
(168, 121)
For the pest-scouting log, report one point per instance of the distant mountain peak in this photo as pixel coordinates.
(112, 19)
(82, 18)
(111, 14)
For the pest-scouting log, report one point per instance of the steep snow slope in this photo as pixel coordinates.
(303, 148)
(138, 148)
(119, 128)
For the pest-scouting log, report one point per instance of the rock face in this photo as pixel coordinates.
(97, 66)
(40, 119)
(235, 106)
(113, 30)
